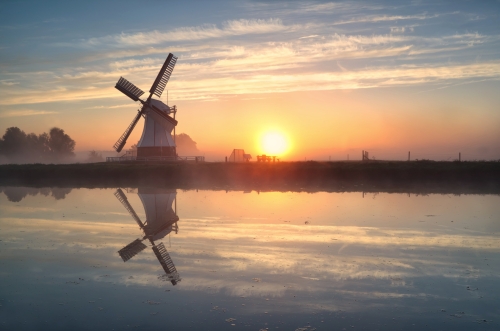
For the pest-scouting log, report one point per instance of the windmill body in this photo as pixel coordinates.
(156, 139)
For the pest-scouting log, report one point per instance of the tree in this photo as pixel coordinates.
(17, 146)
(60, 144)
(13, 142)
(95, 157)
(185, 144)
(37, 147)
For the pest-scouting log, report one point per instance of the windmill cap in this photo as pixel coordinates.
(158, 105)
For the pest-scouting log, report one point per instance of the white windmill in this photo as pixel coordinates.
(156, 139)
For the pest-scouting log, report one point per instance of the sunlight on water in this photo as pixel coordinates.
(247, 260)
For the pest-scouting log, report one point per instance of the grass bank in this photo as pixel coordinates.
(372, 176)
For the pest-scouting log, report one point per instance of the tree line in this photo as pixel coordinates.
(18, 147)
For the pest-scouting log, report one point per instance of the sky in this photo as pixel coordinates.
(331, 78)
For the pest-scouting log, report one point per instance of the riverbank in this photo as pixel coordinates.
(372, 176)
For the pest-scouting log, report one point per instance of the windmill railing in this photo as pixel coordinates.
(127, 158)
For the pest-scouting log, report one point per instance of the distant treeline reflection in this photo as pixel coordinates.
(16, 194)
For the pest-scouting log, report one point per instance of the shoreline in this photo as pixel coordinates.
(419, 177)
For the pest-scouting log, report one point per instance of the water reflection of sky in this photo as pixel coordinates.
(269, 260)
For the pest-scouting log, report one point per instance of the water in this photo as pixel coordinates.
(247, 260)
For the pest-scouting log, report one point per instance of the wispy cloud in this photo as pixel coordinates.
(207, 31)
(272, 55)
(386, 18)
(25, 112)
(8, 83)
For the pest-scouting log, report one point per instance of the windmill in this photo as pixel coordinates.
(160, 221)
(156, 139)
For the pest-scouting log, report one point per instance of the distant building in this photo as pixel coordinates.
(238, 155)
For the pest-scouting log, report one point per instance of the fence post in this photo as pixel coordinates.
(459, 157)
(408, 156)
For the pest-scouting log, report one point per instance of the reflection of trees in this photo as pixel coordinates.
(16, 194)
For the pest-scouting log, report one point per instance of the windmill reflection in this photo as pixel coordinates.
(160, 221)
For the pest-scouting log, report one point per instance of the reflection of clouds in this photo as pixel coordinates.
(345, 235)
(313, 267)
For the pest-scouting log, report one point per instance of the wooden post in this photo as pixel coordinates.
(226, 159)
(362, 155)
(459, 157)
(408, 156)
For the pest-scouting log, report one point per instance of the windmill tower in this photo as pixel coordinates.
(156, 139)
(160, 221)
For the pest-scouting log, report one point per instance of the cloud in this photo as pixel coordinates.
(207, 31)
(386, 18)
(124, 105)
(25, 112)
(8, 83)
(272, 57)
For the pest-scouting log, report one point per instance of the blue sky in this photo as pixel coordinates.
(60, 61)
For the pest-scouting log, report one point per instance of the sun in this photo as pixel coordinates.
(274, 144)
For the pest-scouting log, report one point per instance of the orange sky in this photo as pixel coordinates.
(337, 80)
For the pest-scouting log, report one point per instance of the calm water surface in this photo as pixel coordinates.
(149, 259)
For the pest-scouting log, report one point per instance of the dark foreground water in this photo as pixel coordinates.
(155, 259)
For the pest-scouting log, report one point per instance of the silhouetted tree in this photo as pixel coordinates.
(37, 147)
(132, 150)
(13, 142)
(17, 146)
(95, 157)
(61, 144)
(185, 144)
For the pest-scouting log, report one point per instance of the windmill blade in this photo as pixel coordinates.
(167, 122)
(118, 146)
(131, 250)
(163, 76)
(129, 89)
(167, 263)
(123, 199)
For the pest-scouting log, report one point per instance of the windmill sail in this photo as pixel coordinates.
(163, 76)
(129, 89)
(118, 146)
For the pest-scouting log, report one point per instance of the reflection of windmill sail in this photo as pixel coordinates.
(131, 250)
(160, 221)
(166, 262)
(123, 199)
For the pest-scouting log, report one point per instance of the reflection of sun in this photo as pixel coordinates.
(274, 143)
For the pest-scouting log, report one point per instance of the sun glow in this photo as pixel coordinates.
(274, 143)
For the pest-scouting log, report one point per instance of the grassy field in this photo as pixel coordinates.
(372, 176)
